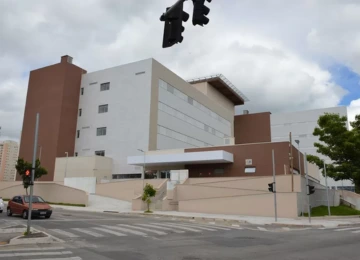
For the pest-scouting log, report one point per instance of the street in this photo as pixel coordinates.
(105, 236)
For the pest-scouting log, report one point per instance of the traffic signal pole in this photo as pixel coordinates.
(307, 187)
(273, 166)
(33, 173)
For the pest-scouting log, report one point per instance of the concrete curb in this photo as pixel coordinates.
(39, 240)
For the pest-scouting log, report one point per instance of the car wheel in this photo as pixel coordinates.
(1, 211)
(8, 212)
(25, 214)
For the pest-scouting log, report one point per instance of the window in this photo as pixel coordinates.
(77, 133)
(103, 109)
(82, 91)
(219, 171)
(100, 153)
(250, 169)
(80, 111)
(170, 88)
(76, 154)
(105, 86)
(101, 131)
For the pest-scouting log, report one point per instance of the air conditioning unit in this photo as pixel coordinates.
(229, 141)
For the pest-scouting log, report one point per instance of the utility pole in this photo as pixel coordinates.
(144, 165)
(274, 180)
(291, 163)
(33, 173)
(327, 190)
(66, 163)
(307, 186)
(298, 143)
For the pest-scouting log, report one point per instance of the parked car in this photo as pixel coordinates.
(1, 205)
(19, 205)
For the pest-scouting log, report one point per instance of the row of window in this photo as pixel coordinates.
(191, 101)
(101, 109)
(181, 137)
(99, 132)
(103, 87)
(98, 153)
(176, 113)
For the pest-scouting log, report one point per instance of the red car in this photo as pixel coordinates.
(19, 205)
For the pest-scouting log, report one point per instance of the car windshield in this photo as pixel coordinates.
(35, 199)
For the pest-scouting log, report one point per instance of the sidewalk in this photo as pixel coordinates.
(326, 222)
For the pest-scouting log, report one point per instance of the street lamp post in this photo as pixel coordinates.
(144, 166)
(67, 157)
(298, 143)
(327, 189)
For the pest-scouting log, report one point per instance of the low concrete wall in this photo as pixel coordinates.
(350, 197)
(156, 202)
(255, 205)
(87, 184)
(125, 190)
(51, 192)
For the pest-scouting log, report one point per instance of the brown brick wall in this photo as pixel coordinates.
(261, 155)
(53, 91)
(252, 128)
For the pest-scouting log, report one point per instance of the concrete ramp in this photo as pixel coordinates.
(101, 203)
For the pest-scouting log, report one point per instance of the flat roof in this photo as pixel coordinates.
(224, 86)
(219, 156)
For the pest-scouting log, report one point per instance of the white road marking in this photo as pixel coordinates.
(215, 227)
(163, 228)
(110, 232)
(67, 258)
(144, 229)
(27, 254)
(262, 229)
(64, 233)
(345, 229)
(193, 226)
(126, 230)
(355, 232)
(91, 233)
(33, 249)
(178, 227)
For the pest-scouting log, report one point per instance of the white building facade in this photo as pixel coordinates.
(301, 124)
(9, 151)
(142, 106)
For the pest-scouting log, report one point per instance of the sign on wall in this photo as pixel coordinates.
(248, 161)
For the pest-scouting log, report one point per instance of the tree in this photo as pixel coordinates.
(148, 193)
(341, 145)
(22, 166)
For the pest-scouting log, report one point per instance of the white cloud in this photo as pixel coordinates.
(353, 109)
(273, 51)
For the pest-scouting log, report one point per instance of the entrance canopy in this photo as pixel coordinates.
(153, 159)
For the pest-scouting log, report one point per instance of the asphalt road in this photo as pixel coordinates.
(104, 236)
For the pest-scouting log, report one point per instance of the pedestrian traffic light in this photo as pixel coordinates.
(27, 173)
(271, 187)
(311, 189)
(173, 18)
(200, 12)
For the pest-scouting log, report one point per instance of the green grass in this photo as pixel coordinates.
(341, 210)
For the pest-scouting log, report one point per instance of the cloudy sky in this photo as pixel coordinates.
(283, 55)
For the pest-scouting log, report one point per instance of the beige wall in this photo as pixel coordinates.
(257, 205)
(161, 72)
(214, 95)
(87, 166)
(51, 192)
(313, 171)
(9, 151)
(125, 190)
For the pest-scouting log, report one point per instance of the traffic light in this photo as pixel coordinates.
(173, 18)
(27, 173)
(200, 12)
(271, 187)
(311, 189)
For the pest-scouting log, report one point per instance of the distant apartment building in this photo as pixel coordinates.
(125, 110)
(302, 124)
(9, 151)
